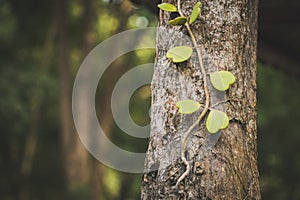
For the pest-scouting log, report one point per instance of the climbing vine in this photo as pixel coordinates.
(220, 80)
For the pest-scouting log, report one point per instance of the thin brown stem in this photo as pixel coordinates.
(207, 99)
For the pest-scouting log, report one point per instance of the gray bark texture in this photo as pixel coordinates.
(223, 165)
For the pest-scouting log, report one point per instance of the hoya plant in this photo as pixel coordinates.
(216, 120)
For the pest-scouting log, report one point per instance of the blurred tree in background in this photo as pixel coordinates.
(278, 134)
(42, 45)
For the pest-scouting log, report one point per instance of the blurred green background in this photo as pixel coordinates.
(42, 44)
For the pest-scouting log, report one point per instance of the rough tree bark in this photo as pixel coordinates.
(227, 35)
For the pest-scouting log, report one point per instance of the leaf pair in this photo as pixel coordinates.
(216, 119)
(221, 80)
(171, 8)
(182, 19)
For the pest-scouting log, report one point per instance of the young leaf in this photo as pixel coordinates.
(216, 120)
(180, 53)
(195, 13)
(188, 106)
(178, 21)
(222, 79)
(167, 7)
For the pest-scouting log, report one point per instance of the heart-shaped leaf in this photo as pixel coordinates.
(167, 7)
(195, 13)
(180, 53)
(222, 79)
(188, 106)
(178, 21)
(216, 120)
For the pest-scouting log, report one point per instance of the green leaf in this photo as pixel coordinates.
(195, 13)
(216, 120)
(167, 7)
(178, 21)
(188, 106)
(180, 53)
(222, 79)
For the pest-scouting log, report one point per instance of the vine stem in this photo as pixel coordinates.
(207, 99)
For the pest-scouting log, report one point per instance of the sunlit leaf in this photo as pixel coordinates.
(188, 106)
(167, 7)
(222, 79)
(180, 53)
(195, 13)
(178, 21)
(216, 120)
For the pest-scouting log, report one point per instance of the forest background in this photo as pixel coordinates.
(42, 44)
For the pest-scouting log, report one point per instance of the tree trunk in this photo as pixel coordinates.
(227, 35)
